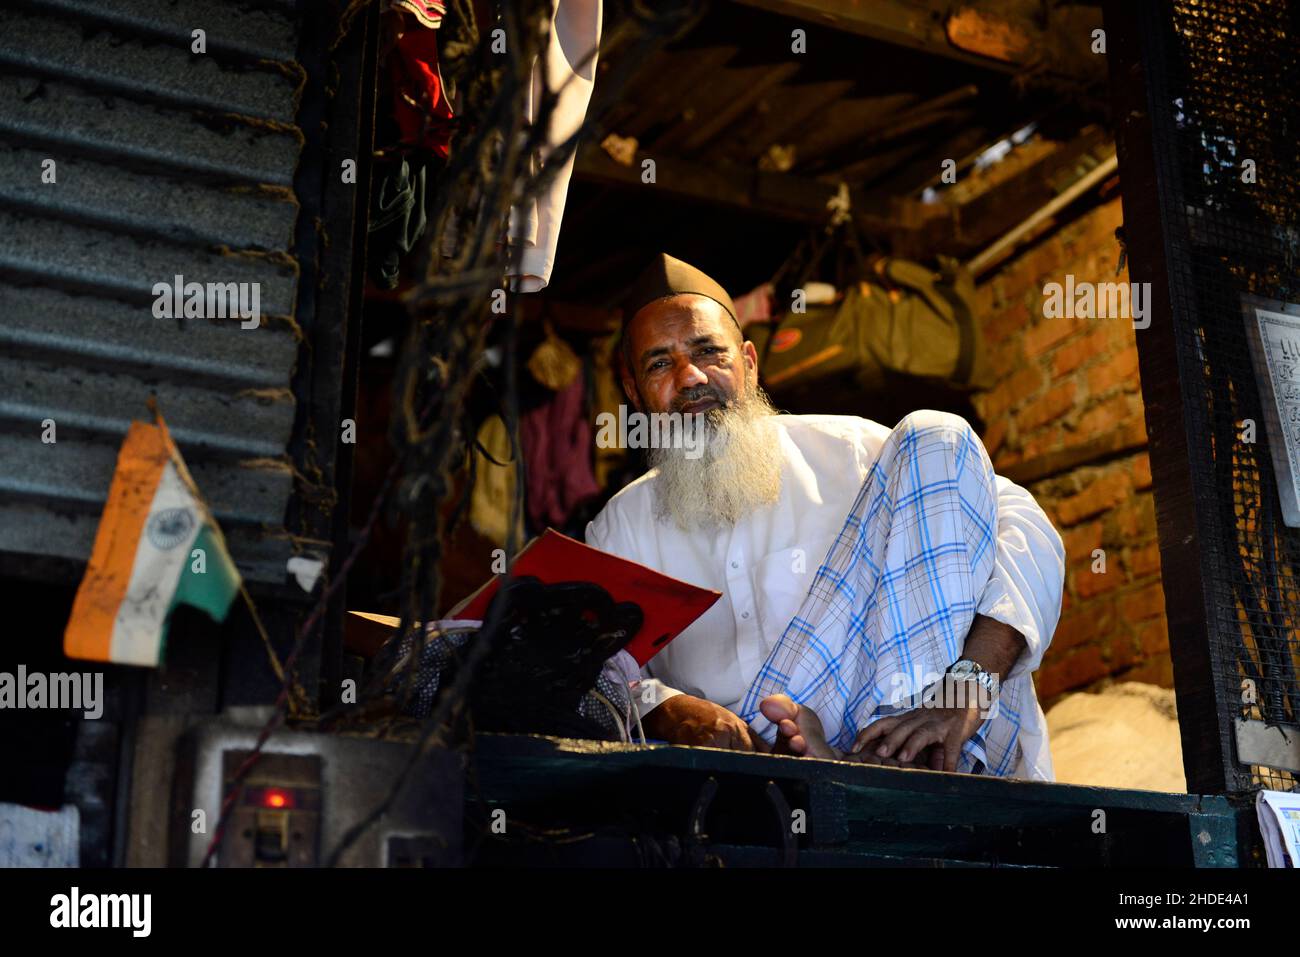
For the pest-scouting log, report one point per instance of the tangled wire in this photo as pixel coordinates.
(461, 267)
(493, 167)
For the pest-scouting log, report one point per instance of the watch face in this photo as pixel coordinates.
(964, 667)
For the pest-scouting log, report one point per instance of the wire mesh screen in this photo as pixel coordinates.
(1223, 81)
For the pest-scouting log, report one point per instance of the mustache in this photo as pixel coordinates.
(689, 396)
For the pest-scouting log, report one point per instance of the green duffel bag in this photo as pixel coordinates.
(907, 321)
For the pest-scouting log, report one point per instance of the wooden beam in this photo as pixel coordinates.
(854, 162)
(1008, 39)
(779, 195)
(915, 24)
(1192, 557)
(1001, 35)
(989, 215)
(1020, 234)
(965, 144)
(683, 73)
(796, 112)
(1015, 34)
(1124, 440)
(702, 133)
(860, 146)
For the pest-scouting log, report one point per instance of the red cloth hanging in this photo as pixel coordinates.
(420, 103)
(556, 439)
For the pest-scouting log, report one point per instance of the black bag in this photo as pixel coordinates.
(544, 674)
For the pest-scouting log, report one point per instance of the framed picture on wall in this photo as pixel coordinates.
(1273, 331)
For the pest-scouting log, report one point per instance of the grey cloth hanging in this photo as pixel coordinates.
(397, 218)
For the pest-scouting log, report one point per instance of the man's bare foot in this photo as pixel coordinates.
(798, 729)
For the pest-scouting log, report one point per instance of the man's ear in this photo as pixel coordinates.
(751, 356)
(629, 390)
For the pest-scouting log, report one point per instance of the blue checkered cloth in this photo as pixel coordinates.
(890, 607)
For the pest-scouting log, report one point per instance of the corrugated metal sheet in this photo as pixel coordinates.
(168, 163)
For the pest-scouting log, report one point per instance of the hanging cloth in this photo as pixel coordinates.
(420, 104)
(397, 218)
(557, 445)
(554, 363)
(493, 494)
(607, 397)
(428, 12)
(755, 305)
(569, 71)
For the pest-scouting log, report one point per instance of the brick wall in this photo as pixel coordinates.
(1065, 419)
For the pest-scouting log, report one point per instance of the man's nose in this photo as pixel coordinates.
(687, 375)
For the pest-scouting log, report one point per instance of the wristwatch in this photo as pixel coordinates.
(964, 669)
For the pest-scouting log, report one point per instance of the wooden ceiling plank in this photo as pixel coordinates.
(794, 109)
(916, 176)
(691, 69)
(780, 195)
(845, 121)
(915, 24)
(906, 122)
(991, 214)
(703, 134)
(847, 162)
(1001, 35)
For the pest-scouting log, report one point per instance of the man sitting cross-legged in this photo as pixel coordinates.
(867, 573)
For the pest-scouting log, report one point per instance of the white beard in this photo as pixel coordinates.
(738, 471)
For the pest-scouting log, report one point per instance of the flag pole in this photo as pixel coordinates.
(297, 696)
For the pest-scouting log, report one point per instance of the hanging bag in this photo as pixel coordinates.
(905, 319)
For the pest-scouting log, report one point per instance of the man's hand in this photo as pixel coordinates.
(939, 729)
(935, 734)
(683, 719)
(870, 757)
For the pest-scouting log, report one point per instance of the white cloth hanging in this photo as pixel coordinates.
(570, 72)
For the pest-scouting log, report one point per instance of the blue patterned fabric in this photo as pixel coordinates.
(890, 607)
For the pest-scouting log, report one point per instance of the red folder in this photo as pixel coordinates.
(668, 604)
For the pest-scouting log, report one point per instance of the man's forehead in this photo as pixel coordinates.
(678, 315)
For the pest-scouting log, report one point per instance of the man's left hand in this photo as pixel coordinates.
(940, 730)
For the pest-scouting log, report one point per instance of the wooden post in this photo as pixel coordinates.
(1185, 546)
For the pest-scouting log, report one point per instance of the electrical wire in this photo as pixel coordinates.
(452, 317)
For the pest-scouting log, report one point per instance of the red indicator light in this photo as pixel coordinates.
(276, 798)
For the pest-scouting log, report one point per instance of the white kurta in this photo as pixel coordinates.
(826, 460)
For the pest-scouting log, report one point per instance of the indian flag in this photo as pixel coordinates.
(157, 547)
